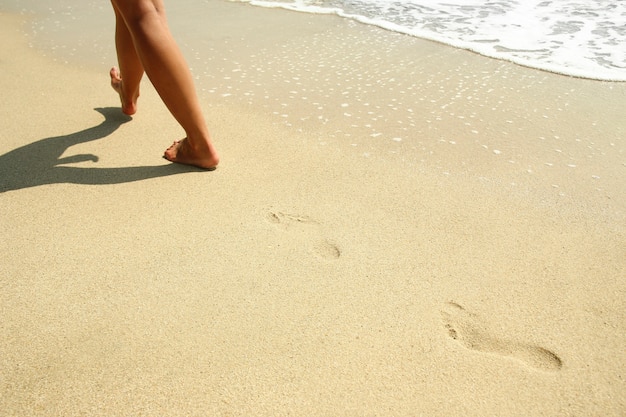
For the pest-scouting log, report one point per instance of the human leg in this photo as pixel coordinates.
(130, 66)
(163, 62)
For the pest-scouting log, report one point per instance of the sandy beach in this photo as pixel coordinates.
(397, 228)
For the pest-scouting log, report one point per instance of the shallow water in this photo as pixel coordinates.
(583, 38)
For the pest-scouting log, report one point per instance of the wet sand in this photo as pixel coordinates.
(400, 229)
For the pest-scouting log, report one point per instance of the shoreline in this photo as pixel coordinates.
(319, 270)
(59, 22)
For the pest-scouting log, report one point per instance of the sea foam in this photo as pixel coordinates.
(572, 37)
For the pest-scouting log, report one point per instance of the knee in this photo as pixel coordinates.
(135, 11)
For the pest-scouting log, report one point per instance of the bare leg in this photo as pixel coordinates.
(159, 55)
(130, 66)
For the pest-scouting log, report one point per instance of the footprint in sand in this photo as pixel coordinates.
(323, 248)
(465, 328)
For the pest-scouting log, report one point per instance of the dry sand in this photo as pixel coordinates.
(473, 266)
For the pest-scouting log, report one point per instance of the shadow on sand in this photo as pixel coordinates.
(39, 163)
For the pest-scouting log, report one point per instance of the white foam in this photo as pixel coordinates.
(582, 39)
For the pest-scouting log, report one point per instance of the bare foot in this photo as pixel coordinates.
(129, 105)
(183, 152)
